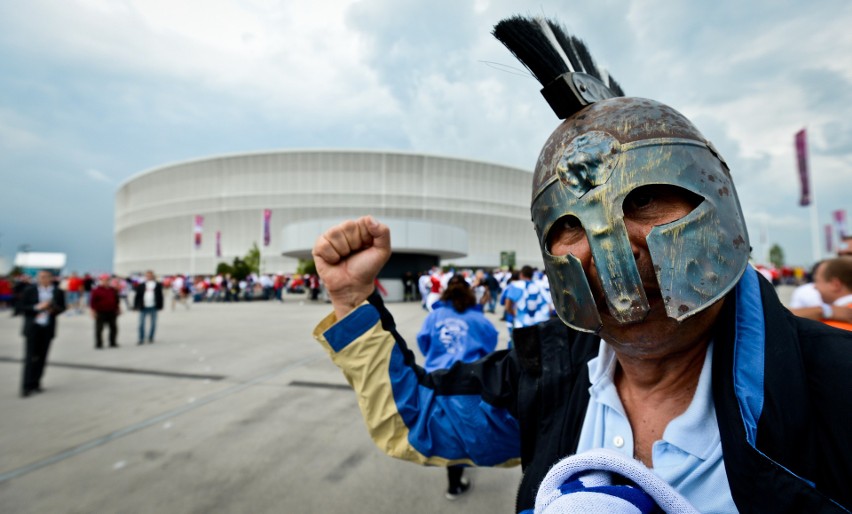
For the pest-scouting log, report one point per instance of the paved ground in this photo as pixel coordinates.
(234, 409)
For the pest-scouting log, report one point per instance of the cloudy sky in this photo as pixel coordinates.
(93, 92)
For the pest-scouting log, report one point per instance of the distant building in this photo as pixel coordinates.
(32, 262)
(459, 212)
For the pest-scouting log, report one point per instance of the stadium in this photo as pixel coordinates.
(441, 210)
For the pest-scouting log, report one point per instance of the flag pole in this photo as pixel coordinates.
(192, 249)
(260, 246)
(817, 253)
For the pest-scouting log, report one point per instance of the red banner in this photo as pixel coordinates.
(199, 223)
(840, 223)
(802, 159)
(829, 238)
(267, 214)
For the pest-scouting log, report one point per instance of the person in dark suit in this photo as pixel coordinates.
(148, 300)
(40, 303)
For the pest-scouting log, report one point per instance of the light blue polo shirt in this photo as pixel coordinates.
(688, 457)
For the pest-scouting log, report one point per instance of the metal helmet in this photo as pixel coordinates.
(589, 165)
(607, 147)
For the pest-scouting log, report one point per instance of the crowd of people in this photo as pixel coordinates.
(181, 289)
(523, 295)
(41, 300)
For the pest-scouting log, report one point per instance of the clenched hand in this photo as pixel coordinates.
(349, 257)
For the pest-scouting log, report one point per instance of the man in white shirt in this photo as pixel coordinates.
(833, 280)
(148, 301)
(806, 302)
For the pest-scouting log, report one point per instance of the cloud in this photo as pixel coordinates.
(14, 135)
(296, 58)
(99, 176)
(125, 86)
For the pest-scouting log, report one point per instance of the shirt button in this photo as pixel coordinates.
(618, 441)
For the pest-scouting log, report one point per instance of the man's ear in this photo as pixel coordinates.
(835, 283)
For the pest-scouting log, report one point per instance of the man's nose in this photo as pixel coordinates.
(637, 236)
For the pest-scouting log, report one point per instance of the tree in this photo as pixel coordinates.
(252, 259)
(241, 268)
(306, 267)
(776, 256)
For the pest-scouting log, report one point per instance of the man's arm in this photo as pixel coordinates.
(58, 301)
(510, 307)
(159, 299)
(28, 301)
(137, 298)
(461, 415)
(513, 294)
(424, 337)
(456, 416)
(838, 313)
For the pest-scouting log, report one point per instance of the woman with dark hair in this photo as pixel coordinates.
(456, 330)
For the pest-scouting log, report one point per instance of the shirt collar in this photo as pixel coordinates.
(601, 376)
(696, 431)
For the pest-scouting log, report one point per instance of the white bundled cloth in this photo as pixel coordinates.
(603, 480)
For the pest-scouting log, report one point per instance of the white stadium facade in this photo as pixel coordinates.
(441, 210)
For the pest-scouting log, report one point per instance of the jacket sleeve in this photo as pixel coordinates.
(491, 337)
(58, 301)
(158, 292)
(28, 300)
(424, 337)
(460, 415)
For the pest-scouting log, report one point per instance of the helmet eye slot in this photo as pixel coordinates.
(659, 204)
(565, 232)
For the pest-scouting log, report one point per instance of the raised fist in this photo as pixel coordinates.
(349, 257)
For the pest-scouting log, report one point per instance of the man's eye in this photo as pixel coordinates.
(663, 201)
(566, 230)
(569, 222)
(639, 201)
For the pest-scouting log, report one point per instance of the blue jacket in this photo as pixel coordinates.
(447, 336)
(780, 387)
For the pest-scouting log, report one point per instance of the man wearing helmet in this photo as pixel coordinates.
(669, 348)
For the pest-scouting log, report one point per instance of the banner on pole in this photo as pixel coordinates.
(218, 243)
(267, 214)
(840, 223)
(829, 238)
(199, 223)
(802, 159)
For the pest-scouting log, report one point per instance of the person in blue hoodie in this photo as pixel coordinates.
(456, 331)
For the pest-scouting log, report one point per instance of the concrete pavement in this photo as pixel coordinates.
(234, 408)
